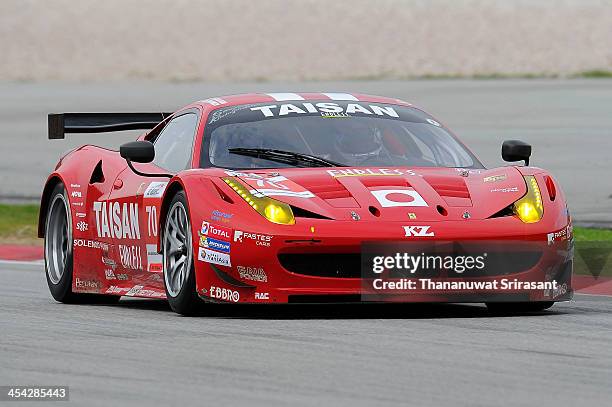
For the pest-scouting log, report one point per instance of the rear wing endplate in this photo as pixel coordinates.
(62, 123)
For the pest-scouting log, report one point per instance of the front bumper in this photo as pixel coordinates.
(319, 263)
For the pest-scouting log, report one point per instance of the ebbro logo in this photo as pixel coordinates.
(418, 231)
(224, 294)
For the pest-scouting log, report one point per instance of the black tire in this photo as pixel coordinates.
(179, 282)
(58, 252)
(513, 308)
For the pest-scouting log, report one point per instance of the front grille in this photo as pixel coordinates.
(339, 265)
(348, 265)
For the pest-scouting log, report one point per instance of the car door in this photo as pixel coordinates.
(136, 201)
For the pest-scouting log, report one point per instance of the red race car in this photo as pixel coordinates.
(310, 197)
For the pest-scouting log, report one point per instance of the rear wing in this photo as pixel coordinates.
(62, 123)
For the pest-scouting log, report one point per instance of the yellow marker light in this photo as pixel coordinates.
(271, 209)
(530, 208)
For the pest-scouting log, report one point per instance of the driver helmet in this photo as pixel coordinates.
(357, 140)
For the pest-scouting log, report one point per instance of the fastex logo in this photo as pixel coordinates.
(238, 236)
(418, 231)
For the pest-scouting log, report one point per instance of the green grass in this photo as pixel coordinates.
(595, 73)
(592, 235)
(18, 224)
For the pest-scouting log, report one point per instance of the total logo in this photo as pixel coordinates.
(418, 231)
(215, 231)
(224, 294)
(259, 239)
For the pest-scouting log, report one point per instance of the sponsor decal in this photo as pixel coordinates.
(215, 101)
(130, 257)
(260, 193)
(495, 178)
(109, 274)
(258, 238)
(271, 185)
(325, 108)
(109, 262)
(82, 226)
(87, 285)
(262, 296)
(221, 216)
(81, 214)
(214, 244)
(512, 189)
(154, 259)
(560, 236)
(432, 121)
(224, 294)
(117, 221)
(75, 185)
(252, 273)
(93, 244)
(76, 194)
(369, 172)
(123, 277)
(151, 220)
(134, 290)
(218, 232)
(155, 190)
(113, 289)
(389, 198)
(412, 215)
(418, 231)
(211, 256)
(77, 204)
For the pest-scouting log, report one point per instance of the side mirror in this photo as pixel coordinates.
(138, 151)
(516, 150)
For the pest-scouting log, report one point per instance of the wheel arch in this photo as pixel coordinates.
(175, 187)
(53, 180)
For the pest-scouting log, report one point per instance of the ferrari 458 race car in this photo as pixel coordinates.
(310, 198)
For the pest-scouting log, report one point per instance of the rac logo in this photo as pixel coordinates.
(418, 231)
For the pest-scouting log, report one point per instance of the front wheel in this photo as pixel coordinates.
(179, 274)
(509, 308)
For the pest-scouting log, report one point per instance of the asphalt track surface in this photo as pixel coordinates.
(568, 122)
(138, 352)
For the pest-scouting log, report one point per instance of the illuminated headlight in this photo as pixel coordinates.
(271, 209)
(529, 208)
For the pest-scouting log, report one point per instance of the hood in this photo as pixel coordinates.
(393, 193)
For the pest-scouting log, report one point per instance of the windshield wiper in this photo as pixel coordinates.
(287, 157)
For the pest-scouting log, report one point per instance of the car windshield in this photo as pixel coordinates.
(356, 134)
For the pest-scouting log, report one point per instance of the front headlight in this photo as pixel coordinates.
(529, 208)
(271, 209)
